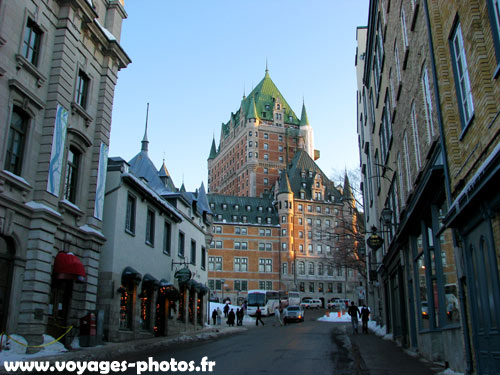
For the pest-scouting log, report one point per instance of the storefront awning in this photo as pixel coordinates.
(68, 266)
(130, 274)
(169, 290)
(149, 281)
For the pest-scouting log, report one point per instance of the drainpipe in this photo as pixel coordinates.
(461, 294)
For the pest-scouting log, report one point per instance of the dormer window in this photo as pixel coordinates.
(249, 208)
(236, 206)
(268, 107)
(278, 106)
(212, 205)
(290, 118)
(260, 208)
(259, 220)
(310, 174)
(224, 206)
(303, 174)
(269, 209)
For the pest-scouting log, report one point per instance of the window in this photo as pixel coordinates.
(130, 215)
(280, 138)
(266, 181)
(218, 229)
(319, 249)
(301, 248)
(427, 98)
(285, 268)
(283, 232)
(268, 232)
(300, 208)
(150, 227)
(327, 223)
(203, 258)
(193, 252)
(265, 265)
(268, 246)
(494, 11)
(167, 238)
(407, 161)
(301, 286)
(240, 264)
(31, 43)
(309, 235)
(280, 148)
(250, 143)
(311, 287)
(462, 81)
(280, 158)
(241, 285)
(214, 263)
(403, 28)
(266, 136)
(310, 248)
(266, 156)
(266, 146)
(329, 270)
(339, 288)
(262, 246)
(396, 58)
(16, 141)
(320, 288)
(301, 221)
(311, 268)
(302, 269)
(181, 244)
(244, 231)
(82, 88)
(301, 234)
(284, 246)
(318, 222)
(72, 174)
(416, 139)
(237, 245)
(309, 208)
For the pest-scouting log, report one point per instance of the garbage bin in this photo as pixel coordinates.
(88, 330)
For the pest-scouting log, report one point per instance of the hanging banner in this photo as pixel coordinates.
(56, 156)
(101, 181)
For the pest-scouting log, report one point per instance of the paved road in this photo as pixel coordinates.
(301, 348)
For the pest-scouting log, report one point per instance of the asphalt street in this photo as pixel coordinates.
(310, 347)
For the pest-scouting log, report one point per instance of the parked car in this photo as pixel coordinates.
(293, 314)
(332, 303)
(340, 304)
(312, 303)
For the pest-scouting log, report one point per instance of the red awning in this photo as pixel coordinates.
(68, 266)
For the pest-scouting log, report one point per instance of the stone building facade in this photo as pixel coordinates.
(59, 62)
(155, 234)
(425, 149)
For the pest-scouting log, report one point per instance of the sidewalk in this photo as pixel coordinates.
(384, 357)
(109, 351)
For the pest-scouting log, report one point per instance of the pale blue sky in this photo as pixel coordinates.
(192, 59)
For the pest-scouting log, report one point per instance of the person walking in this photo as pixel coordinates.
(214, 316)
(239, 317)
(277, 314)
(219, 316)
(354, 313)
(258, 317)
(365, 314)
(226, 310)
(230, 318)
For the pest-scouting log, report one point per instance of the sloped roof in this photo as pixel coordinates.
(303, 117)
(284, 184)
(213, 150)
(237, 206)
(302, 162)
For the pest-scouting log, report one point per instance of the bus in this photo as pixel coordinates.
(266, 300)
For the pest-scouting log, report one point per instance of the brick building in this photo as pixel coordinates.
(303, 236)
(59, 62)
(257, 142)
(427, 122)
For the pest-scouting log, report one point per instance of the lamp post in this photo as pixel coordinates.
(223, 281)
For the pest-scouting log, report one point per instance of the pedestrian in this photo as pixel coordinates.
(258, 317)
(214, 316)
(219, 316)
(226, 310)
(354, 313)
(277, 314)
(365, 314)
(230, 318)
(239, 317)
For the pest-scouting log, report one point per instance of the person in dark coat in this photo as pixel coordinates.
(230, 318)
(354, 312)
(238, 317)
(226, 310)
(214, 316)
(258, 317)
(365, 316)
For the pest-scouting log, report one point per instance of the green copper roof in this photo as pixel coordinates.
(242, 210)
(252, 110)
(347, 189)
(263, 95)
(213, 150)
(303, 117)
(284, 184)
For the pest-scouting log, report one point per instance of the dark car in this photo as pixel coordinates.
(293, 314)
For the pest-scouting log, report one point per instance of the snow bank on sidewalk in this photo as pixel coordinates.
(17, 352)
(333, 317)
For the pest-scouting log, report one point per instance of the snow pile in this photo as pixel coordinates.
(449, 372)
(12, 351)
(335, 317)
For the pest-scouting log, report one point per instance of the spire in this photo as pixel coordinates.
(347, 189)
(252, 110)
(303, 117)
(284, 183)
(267, 70)
(145, 139)
(213, 150)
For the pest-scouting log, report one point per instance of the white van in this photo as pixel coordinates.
(312, 303)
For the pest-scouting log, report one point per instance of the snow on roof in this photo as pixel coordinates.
(106, 32)
(41, 207)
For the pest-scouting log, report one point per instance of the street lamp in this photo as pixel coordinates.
(387, 216)
(222, 286)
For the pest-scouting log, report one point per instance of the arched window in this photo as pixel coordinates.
(311, 268)
(302, 268)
